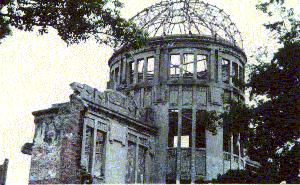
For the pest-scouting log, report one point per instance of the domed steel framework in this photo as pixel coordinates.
(188, 17)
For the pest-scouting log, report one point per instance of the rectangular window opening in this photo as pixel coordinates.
(235, 73)
(225, 71)
(175, 65)
(131, 159)
(202, 67)
(100, 154)
(131, 71)
(186, 132)
(117, 74)
(216, 66)
(200, 129)
(140, 64)
(188, 65)
(173, 127)
(150, 67)
(89, 137)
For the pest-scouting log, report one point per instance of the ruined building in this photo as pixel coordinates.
(3, 172)
(149, 126)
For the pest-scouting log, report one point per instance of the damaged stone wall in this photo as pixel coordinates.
(56, 146)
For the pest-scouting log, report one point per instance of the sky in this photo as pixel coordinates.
(35, 72)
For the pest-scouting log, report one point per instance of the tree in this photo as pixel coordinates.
(285, 24)
(277, 119)
(273, 130)
(75, 21)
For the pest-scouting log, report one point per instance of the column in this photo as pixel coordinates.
(145, 69)
(135, 76)
(220, 76)
(94, 151)
(230, 72)
(195, 65)
(239, 147)
(193, 154)
(83, 143)
(211, 65)
(231, 151)
(178, 151)
(136, 159)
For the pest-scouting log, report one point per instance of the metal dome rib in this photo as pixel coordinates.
(188, 17)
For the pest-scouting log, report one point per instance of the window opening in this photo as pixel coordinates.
(235, 73)
(202, 67)
(141, 165)
(131, 71)
(89, 147)
(225, 71)
(112, 75)
(117, 74)
(173, 127)
(175, 65)
(188, 65)
(226, 137)
(140, 69)
(186, 133)
(235, 144)
(131, 156)
(200, 129)
(100, 154)
(216, 66)
(150, 67)
(121, 70)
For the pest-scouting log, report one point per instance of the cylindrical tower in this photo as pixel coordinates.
(192, 63)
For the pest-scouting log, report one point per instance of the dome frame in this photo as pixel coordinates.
(188, 17)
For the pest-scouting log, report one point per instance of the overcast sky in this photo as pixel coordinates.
(35, 72)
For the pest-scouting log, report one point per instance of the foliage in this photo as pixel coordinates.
(212, 121)
(237, 119)
(272, 126)
(276, 120)
(286, 26)
(244, 177)
(75, 21)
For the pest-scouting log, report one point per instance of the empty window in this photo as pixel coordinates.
(173, 127)
(136, 157)
(121, 70)
(241, 73)
(235, 144)
(200, 129)
(150, 67)
(201, 67)
(89, 135)
(188, 65)
(99, 154)
(216, 66)
(141, 173)
(185, 141)
(131, 159)
(131, 71)
(97, 159)
(226, 137)
(117, 74)
(112, 75)
(186, 132)
(225, 71)
(235, 69)
(140, 64)
(175, 65)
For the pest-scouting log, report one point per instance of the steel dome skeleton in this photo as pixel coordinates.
(188, 17)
